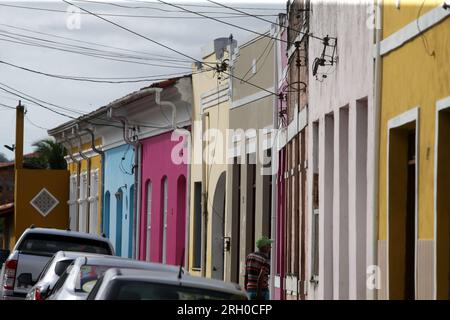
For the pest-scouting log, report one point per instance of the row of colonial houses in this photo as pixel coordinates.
(328, 132)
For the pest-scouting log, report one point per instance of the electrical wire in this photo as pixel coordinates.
(83, 79)
(208, 6)
(92, 54)
(259, 57)
(422, 35)
(34, 124)
(80, 118)
(102, 45)
(6, 106)
(217, 19)
(82, 49)
(168, 48)
(266, 20)
(157, 9)
(117, 14)
(263, 63)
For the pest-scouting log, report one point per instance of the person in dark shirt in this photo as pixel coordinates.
(257, 270)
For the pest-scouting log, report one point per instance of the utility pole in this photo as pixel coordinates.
(18, 162)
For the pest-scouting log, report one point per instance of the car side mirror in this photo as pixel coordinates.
(60, 267)
(4, 254)
(25, 280)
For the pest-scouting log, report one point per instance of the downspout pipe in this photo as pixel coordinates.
(373, 294)
(102, 155)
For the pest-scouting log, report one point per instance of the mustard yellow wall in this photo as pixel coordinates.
(412, 78)
(395, 19)
(218, 118)
(28, 183)
(96, 163)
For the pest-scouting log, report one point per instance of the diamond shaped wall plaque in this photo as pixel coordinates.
(44, 202)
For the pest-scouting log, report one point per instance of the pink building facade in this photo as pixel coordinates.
(163, 202)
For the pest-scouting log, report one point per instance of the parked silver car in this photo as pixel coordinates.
(133, 284)
(54, 268)
(80, 277)
(33, 250)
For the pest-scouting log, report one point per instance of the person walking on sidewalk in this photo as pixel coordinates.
(257, 270)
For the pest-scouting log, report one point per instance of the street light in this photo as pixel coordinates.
(11, 148)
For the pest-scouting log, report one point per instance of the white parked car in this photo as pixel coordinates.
(54, 268)
(33, 250)
(80, 277)
(132, 284)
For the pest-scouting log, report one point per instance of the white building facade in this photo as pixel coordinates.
(341, 151)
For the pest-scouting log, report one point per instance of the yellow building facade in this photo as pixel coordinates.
(85, 201)
(414, 154)
(208, 167)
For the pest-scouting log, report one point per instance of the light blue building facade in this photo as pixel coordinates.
(118, 211)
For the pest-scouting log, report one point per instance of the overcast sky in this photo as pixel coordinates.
(174, 29)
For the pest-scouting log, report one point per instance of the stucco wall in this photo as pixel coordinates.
(256, 114)
(218, 119)
(413, 76)
(347, 82)
(118, 175)
(156, 164)
(28, 183)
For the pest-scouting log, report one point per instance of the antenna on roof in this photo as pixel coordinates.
(181, 265)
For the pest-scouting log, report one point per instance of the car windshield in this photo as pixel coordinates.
(49, 244)
(87, 277)
(143, 290)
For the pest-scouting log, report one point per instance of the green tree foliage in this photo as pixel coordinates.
(3, 158)
(49, 155)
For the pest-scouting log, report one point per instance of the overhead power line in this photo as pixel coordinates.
(208, 6)
(34, 124)
(217, 19)
(6, 106)
(87, 118)
(83, 49)
(117, 14)
(87, 53)
(102, 45)
(85, 79)
(169, 48)
(263, 19)
(159, 9)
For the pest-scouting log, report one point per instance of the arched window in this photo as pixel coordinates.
(149, 217)
(106, 213)
(164, 196)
